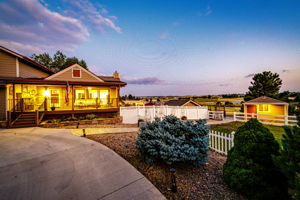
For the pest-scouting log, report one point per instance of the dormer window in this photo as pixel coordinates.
(76, 73)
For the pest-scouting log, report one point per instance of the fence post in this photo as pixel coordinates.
(234, 116)
(286, 120)
(252, 115)
(232, 138)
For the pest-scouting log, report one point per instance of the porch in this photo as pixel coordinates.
(38, 101)
(30, 98)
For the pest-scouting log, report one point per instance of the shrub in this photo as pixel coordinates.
(249, 168)
(171, 140)
(289, 160)
(90, 116)
(183, 118)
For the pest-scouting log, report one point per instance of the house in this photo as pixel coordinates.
(264, 107)
(181, 102)
(31, 91)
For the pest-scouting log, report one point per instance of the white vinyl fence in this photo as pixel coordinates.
(280, 120)
(221, 142)
(132, 114)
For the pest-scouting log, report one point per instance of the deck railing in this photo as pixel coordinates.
(281, 120)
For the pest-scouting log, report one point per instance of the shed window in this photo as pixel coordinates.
(76, 73)
(263, 108)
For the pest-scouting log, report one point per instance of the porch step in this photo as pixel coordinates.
(25, 120)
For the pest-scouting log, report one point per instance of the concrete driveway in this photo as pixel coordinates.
(37, 163)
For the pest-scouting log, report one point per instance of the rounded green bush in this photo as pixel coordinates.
(171, 140)
(249, 168)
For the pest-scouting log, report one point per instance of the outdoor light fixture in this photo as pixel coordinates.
(46, 93)
(173, 180)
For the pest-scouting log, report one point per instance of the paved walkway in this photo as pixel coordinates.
(226, 120)
(39, 163)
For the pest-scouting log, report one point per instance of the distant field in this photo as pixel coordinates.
(229, 109)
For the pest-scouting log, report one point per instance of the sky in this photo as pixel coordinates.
(164, 47)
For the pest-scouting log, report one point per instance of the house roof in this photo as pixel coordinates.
(109, 79)
(27, 60)
(180, 102)
(265, 100)
(5, 80)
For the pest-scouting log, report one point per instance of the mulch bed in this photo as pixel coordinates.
(204, 182)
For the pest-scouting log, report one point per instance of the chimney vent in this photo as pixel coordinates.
(116, 74)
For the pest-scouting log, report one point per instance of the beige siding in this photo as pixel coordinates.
(26, 71)
(2, 104)
(7, 65)
(67, 76)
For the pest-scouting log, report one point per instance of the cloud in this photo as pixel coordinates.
(93, 15)
(249, 76)
(144, 81)
(224, 84)
(30, 26)
(164, 35)
(285, 71)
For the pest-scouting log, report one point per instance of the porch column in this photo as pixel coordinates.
(118, 97)
(14, 98)
(73, 99)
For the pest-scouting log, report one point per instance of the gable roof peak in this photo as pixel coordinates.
(70, 67)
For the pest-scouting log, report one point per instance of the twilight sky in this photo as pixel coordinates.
(164, 47)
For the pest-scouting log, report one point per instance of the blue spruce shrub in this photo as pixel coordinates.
(171, 140)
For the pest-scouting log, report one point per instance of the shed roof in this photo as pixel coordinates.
(265, 100)
(180, 102)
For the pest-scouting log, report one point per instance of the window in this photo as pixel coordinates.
(76, 73)
(54, 97)
(93, 94)
(80, 94)
(263, 108)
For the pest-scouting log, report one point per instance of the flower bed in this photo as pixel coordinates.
(74, 124)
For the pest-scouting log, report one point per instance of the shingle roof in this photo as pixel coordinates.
(265, 100)
(178, 102)
(109, 79)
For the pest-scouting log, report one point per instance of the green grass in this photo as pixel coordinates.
(277, 131)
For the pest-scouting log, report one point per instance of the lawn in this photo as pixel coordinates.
(277, 131)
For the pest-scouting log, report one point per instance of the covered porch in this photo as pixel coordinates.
(61, 98)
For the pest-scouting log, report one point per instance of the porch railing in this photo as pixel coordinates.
(48, 104)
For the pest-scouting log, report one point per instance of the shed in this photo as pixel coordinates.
(266, 105)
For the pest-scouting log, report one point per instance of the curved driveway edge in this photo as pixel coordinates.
(38, 163)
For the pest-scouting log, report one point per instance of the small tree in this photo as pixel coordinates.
(264, 84)
(58, 62)
(171, 140)
(289, 160)
(249, 168)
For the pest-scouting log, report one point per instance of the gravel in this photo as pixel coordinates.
(204, 182)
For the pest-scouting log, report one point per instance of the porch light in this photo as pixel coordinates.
(46, 93)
